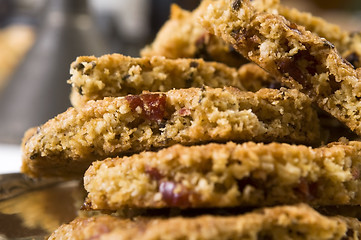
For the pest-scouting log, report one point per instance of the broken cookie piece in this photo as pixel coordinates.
(287, 51)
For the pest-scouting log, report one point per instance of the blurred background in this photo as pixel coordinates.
(40, 38)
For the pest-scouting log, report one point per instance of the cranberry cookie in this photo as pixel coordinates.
(228, 175)
(67, 144)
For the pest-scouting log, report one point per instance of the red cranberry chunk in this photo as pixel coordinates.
(172, 198)
(355, 173)
(100, 230)
(184, 112)
(307, 191)
(152, 105)
(153, 173)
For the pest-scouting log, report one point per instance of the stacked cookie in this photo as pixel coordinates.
(173, 131)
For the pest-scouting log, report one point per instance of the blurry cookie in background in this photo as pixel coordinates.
(15, 41)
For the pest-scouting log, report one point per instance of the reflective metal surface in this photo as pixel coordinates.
(32, 209)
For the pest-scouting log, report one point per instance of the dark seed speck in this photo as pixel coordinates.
(79, 66)
(236, 5)
(193, 64)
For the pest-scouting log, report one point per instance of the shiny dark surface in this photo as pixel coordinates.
(34, 208)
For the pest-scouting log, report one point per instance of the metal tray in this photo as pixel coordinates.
(32, 209)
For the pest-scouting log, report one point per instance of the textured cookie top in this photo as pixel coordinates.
(118, 75)
(66, 144)
(227, 175)
(300, 58)
(286, 222)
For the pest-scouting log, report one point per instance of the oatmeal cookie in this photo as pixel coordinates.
(118, 75)
(285, 222)
(228, 175)
(300, 58)
(67, 144)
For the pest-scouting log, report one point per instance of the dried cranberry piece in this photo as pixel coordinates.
(306, 190)
(288, 66)
(152, 105)
(134, 101)
(355, 172)
(246, 38)
(153, 173)
(172, 198)
(184, 112)
(99, 231)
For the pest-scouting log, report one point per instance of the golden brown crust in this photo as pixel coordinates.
(66, 144)
(228, 175)
(285, 222)
(300, 58)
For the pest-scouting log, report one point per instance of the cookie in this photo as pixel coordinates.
(67, 144)
(285, 222)
(183, 37)
(288, 52)
(118, 75)
(228, 175)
